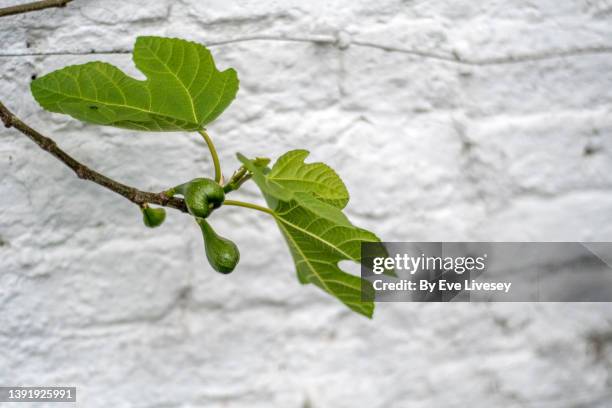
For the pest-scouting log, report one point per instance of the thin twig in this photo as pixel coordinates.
(453, 58)
(34, 6)
(136, 196)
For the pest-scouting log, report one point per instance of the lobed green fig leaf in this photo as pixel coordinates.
(183, 90)
(309, 215)
(292, 173)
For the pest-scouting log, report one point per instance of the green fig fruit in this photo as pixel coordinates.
(214, 192)
(153, 217)
(200, 194)
(222, 254)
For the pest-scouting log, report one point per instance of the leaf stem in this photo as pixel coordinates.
(249, 205)
(213, 153)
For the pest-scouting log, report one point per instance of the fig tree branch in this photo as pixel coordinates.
(136, 196)
(34, 6)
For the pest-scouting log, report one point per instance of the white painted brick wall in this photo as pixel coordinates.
(430, 149)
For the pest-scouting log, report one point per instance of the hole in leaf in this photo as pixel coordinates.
(93, 107)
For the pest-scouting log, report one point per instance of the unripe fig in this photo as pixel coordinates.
(200, 194)
(222, 254)
(153, 217)
(214, 192)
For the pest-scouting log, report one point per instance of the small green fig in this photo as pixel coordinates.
(200, 194)
(214, 192)
(222, 254)
(153, 217)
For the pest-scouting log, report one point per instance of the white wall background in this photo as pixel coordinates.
(515, 144)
